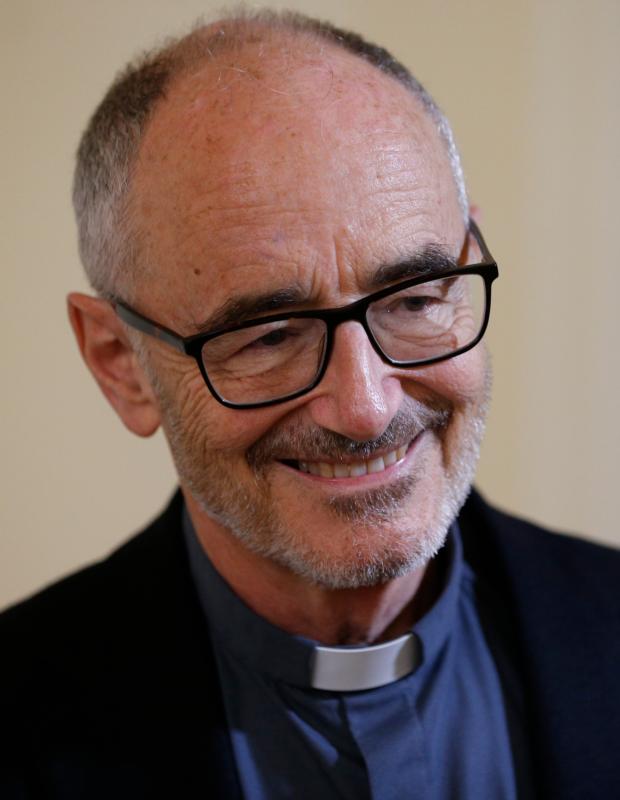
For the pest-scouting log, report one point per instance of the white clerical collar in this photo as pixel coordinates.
(353, 669)
(301, 662)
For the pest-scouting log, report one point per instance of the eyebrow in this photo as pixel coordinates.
(431, 259)
(236, 310)
(239, 309)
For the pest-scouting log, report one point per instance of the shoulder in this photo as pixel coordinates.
(107, 679)
(93, 630)
(99, 590)
(528, 542)
(566, 581)
(557, 600)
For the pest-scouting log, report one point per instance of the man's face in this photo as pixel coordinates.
(256, 180)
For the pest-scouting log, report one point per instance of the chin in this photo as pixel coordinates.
(370, 538)
(360, 540)
(362, 564)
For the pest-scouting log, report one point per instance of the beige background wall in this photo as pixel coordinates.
(532, 89)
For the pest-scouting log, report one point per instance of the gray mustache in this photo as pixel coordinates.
(320, 444)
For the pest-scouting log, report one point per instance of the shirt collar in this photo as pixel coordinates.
(300, 661)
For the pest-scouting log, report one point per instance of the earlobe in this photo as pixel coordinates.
(112, 361)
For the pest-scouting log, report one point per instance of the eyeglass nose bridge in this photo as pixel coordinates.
(334, 318)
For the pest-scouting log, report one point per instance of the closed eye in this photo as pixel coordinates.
(273, 338)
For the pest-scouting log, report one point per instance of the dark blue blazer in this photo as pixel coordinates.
(108, 687)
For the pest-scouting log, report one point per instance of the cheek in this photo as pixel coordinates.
(207, 425)
(462, 381)
(230, 432)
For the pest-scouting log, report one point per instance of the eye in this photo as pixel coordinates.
(272, 339)
(410, 304)
(417, 302)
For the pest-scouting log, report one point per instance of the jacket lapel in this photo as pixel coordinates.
(558, 613)
(173, 681)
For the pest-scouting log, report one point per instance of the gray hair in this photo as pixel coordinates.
(108, 238)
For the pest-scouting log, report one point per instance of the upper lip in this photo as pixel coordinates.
(350, 459)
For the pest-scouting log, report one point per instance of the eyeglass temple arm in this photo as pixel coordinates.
(140, 323)
(486, 255)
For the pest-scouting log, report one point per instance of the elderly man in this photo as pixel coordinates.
(273, 215)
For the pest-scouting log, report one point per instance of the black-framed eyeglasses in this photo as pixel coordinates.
(276, 358)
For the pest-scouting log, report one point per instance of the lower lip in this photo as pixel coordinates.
(370, 479)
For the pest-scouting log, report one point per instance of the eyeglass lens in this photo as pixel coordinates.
(429, 320)
(277, 359)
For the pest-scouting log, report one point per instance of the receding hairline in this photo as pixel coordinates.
(109, 235)
(207, 46)
(197, 81)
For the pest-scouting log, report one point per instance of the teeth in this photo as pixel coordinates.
(354, 470)
(376, 465)
(326, 470)
(390, 458)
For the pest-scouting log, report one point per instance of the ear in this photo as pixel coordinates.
(111, 359)
(473, 250)
(475, 213)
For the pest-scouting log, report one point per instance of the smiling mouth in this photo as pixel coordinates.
(352, 469)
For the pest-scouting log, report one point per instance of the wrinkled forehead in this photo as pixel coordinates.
(229, 94)
(256, 111)
(256, 157)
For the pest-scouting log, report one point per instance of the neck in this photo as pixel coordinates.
(365, 615)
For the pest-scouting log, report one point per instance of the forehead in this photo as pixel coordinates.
(270, 167)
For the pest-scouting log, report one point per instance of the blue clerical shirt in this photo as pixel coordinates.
(440, 732)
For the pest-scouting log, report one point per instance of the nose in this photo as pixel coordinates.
(359, 394)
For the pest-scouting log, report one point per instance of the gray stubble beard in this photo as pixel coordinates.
(380, 552)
